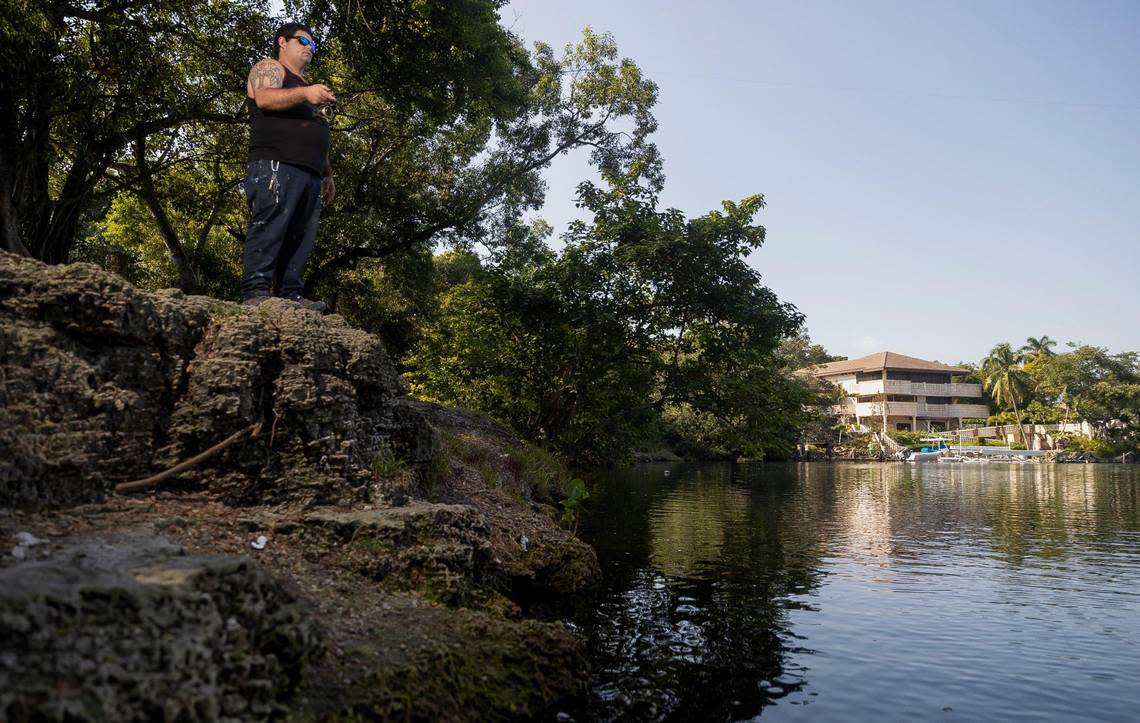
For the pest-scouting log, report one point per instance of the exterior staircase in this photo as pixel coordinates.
(890, 448)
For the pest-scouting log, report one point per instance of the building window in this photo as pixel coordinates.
(902, 426)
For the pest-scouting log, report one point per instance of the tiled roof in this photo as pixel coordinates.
(882, 360)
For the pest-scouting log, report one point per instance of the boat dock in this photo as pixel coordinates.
(995, 451)
(944, 452)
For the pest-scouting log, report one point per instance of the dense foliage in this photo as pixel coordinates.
(644, 324)
(102, 97)
(123, 139)
(1086, 383)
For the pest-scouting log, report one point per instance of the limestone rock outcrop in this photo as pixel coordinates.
(101, 383)
(339, 558)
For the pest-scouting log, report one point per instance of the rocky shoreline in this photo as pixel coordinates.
(356, 556)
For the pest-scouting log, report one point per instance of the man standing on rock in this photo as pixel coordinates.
(289, 173)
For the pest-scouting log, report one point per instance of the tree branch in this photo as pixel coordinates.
(187, 279)
(152, 481)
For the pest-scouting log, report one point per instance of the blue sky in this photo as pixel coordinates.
(940, 176)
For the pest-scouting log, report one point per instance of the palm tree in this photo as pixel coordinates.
(1037, 347)
(1006, 381)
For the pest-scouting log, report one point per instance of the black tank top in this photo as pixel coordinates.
(296, 135)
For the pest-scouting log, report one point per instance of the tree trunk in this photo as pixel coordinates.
(9, 228)
(1020, 426)
(13, 150)
(60, 224)
(1065, 400)
(59, 239)
(187, 279)
(25, 206)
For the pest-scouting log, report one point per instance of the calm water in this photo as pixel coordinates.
(824, 592)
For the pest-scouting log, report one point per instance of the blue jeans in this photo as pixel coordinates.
(284, 209)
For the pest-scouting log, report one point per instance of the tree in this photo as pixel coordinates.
(427, 67)
(799, 351)
(514, 342)
(88, 83)
(414, 176)
(754, 407)
(1035, 351)
(446, 121)
(643, 311)
(1099, 387)
(1005, 380)
(414, 173)
(820, 424)
(173, 214)
(1037, 347)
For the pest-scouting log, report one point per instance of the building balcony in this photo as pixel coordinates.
(920, 410)
(921, 389)
(894, 409)
(968, 411)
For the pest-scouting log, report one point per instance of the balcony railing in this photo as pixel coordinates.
(962, 389)
(968, 411)
(918, 409)
(921, 389)
(894, 409)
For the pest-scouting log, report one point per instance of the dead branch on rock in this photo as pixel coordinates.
(144, 484)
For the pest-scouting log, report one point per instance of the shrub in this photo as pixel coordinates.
(547, 476)
(572, 505)
(911, 440)
(1079, 444)
(386, 464)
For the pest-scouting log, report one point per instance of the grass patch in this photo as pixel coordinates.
(385, 464)
(485, 458)
(541, 470)
(435, 475)
(526, 470)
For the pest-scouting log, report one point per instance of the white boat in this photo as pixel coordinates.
(927, 454)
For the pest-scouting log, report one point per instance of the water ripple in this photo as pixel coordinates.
(867, 592)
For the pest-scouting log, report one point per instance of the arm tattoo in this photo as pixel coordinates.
(267, 73)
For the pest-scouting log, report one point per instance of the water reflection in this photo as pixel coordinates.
(890, 590)
(689, 613)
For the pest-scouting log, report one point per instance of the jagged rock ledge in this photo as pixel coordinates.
(357, 555)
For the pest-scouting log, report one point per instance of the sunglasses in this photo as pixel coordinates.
(306, 42)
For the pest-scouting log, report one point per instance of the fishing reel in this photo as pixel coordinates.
(326, 111)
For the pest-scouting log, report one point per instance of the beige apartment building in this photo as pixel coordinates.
(893, 391)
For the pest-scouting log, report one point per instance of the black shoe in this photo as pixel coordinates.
(253, 300)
